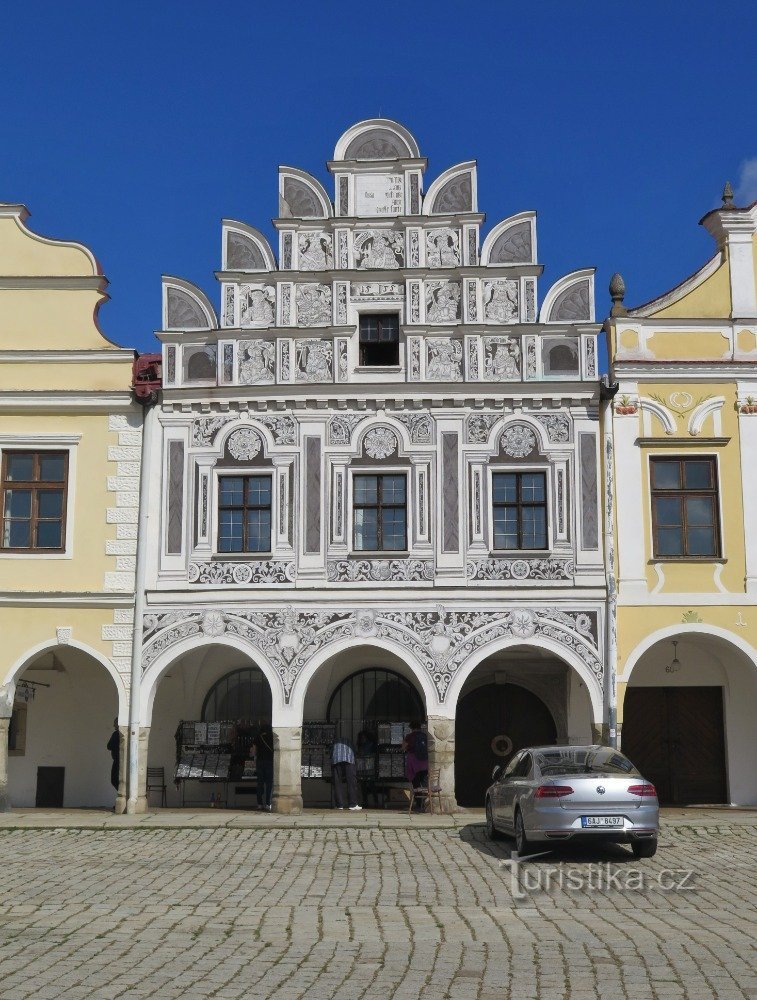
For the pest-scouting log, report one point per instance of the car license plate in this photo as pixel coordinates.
(594, 821)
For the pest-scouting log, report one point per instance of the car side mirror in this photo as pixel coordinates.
(497, 772)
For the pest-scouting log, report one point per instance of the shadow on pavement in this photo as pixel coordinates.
(474, 835)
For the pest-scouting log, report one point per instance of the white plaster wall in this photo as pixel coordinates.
(68, 725)
(709, 662)
(579, 712)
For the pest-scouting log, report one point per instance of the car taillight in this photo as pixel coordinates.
(552, 791)
(646, 791)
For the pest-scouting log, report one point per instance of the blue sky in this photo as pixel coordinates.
(136, 127)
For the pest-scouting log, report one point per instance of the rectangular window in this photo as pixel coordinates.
(244, 514)
(34, 500)
(380, 513)
(519, 510)
(380, 340)
(685, 507)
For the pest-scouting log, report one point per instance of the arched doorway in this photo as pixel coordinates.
(63, 717)
(484, 714)
(372, 696)
(687, 717)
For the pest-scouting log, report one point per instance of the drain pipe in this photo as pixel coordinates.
(607, 391)
(139, 602)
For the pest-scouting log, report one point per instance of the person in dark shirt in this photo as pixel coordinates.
(263, 745)
(114, 745)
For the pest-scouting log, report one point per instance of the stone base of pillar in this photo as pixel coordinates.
(123, 770)
(600, 733)
(441, 754)
(4, 800)
(287, 779)
(138, 802)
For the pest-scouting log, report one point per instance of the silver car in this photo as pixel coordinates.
(548, 794)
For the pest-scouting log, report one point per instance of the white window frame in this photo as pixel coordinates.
(380, 470)
(499, 467)
(244, 471)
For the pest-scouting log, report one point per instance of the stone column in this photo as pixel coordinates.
(143, 744)
(123, 769)
(441, 752)
(4, 727)
(287, 760)
(600, 733)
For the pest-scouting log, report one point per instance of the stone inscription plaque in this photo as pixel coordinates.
(379, 194)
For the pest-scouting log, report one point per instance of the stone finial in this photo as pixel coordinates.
(617, 294)
(728, 196)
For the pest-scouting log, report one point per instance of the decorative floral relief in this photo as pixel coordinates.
(342, 426)
(343, 250)
(520, 569)
(228, 362)
(415, 302)
(444, 361)
(501, 300)
(341, 304)
(313, 304)
(256, 305)
(419, 426)
(591, 358)
(256, 361)
(286, 369)
(342, 361)
(314, 360)
(442, 248)
(472, 304)
(286, 256)
(228, 308)
(286, 301)
(440, 641)
(415, 248)
(501, 359)
(557, 426)
(205, 429)
(315, 251)
(244, 444)
(472, 252)
(257, 571)
(379, 249)
(473, 369)
(282, 426)
(530, 301)
(479, 425)
(414, 362)
(380, 442)
(531, 358)
(517, 441)
(380, 570)
(442, 301)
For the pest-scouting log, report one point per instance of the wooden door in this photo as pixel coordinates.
(486, 712)
(675, 736)
(50, 781)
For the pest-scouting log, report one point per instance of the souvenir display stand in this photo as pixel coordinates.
(217, 756)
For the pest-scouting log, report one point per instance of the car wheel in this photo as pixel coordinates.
(491, 831)
(521, 841)
(644, 848)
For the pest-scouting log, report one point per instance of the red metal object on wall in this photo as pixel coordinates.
(147, 378)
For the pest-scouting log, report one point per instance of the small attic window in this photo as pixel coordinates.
(200, 364)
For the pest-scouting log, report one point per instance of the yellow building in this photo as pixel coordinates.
(70, 442)
(683, 427)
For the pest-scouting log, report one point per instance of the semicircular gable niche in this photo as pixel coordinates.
(376, 139)
(244, 248)
(185, 306)
(301, 196)
(453, 191)
(570, 299)
(512, 241)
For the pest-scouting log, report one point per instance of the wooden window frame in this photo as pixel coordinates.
(36, 486)
(681, 494)
(388, 318)
(378, 506)
(244, 507)
(519, 505)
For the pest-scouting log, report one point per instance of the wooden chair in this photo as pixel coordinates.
(427, 793)
(156, 782)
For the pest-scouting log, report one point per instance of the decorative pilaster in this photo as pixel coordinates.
(123, 770)
(4, 727)
(143, 745)
(287, 761)
(441, 733)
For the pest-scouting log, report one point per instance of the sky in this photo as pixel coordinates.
(135, 128)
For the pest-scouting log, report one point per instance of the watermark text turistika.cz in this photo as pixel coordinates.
(527, 879)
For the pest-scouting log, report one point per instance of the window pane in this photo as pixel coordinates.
(231, 491)
(532, 487)
(50, 503)
(700, 510)
(49, 534)
(20, 467)
(366, 534)
(52, 468)
(701, 541)
(669, 542)
(666, 475)
(393, 525)
(534, 528)
(16, 534)
(668, 511)
(505, 528)
(393, 489)
(259, 491)
(366, 489)
(698, 475)
(389, 329)
(504, 488)
(369, 329)
(258, 530)
(230, 531)
(18, 503)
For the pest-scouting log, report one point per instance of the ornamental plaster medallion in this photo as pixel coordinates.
(63, 635)
(523, 623)
(244, 444)
(517, 441)
(519, 569)
(213, 624)
(380, 443)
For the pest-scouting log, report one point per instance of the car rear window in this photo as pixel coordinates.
(568, 760)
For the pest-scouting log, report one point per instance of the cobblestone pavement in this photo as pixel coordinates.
(366, 910)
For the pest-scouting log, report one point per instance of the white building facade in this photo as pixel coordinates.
(375, 473)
